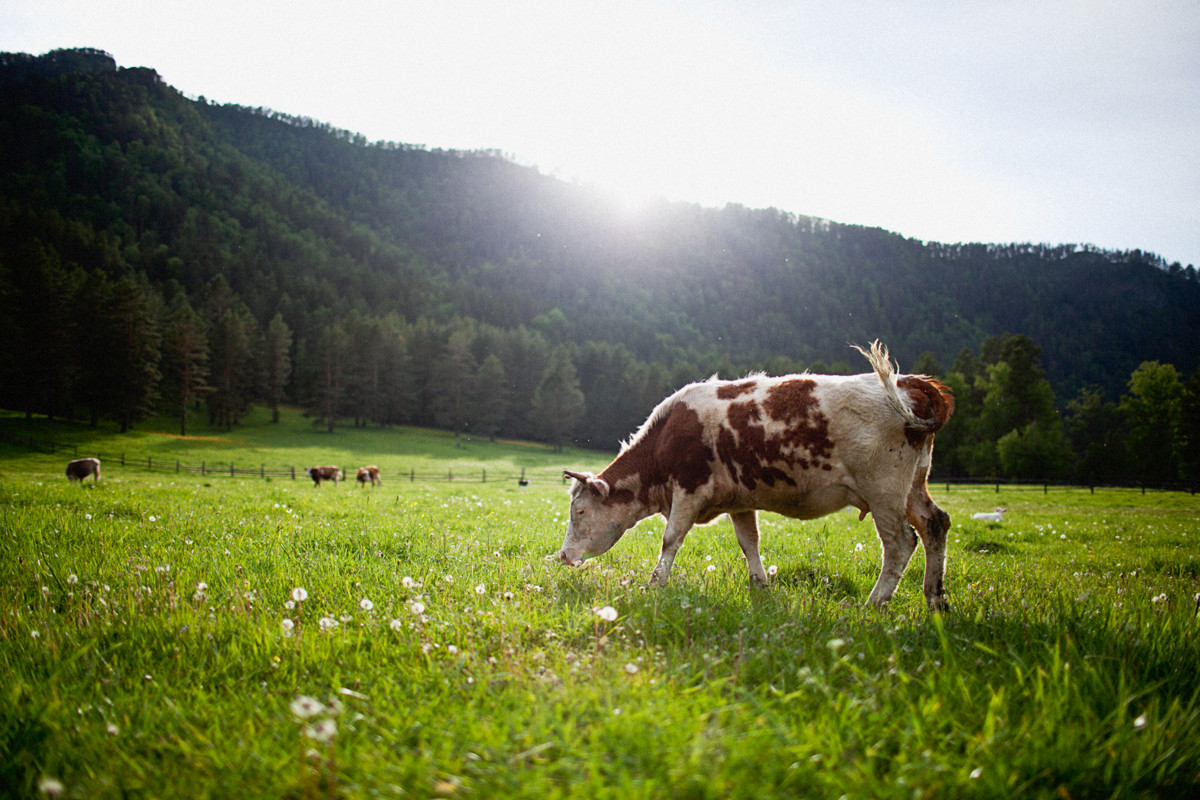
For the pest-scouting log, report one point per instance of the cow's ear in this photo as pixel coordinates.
(597, 485)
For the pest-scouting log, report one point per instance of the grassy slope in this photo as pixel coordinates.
(1066, 666)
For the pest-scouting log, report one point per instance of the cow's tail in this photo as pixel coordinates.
(930, 403)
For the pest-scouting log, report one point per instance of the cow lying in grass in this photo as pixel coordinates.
(800, 445)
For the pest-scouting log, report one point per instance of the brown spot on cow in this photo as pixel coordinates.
(744, 449)
(672, 448)
(792, 402)
(929, 399)
(732, 391)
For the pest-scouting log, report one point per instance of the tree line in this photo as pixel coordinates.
(86, 346)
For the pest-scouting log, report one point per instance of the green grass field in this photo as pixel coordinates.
(153, 645)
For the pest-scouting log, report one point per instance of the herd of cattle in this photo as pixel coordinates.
(798, 445)
(82, 468)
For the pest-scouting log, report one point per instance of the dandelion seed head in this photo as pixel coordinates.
(1140, 722)
(323, 730)
(480, 589)
(51, 787)
(606, 613)
(396, 624)
(417, 608)
(306, 707)
(631, 668)
(72, 579)
(366, 605)
(299, 594)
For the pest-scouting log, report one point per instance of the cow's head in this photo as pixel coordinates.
(597, 520)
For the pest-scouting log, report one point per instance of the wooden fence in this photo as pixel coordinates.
(524, 478)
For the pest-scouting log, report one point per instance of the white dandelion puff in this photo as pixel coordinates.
(299, 594)
(323, 730)
(306, 707)
(366, 605)
(606, 613)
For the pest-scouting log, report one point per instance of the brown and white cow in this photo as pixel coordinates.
(800, 445)
(319, 474)
(369, 475)
(80, 468)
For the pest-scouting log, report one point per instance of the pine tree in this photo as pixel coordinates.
(278, 366)
(185, 360)
(558, 403)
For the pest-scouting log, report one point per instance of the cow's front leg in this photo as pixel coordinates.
(678, 524)
(745, 525)
(899, 541)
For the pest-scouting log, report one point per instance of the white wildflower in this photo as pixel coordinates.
(327, 623)
(1140, 722)
(396, 624)
(299, 594)
(51, 787)
(480, 589)
(631, 668)
(417, 608)
(606, 613)
(287, 625)
(306, 707)
(72, 579)
(366, 605)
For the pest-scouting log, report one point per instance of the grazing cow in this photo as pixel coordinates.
(80, 468)
(369, 474)
(319, 474)
(800, 445)
(990, 516)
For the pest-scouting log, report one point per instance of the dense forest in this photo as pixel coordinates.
(163, 253)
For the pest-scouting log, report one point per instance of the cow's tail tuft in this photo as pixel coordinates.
(940, 403)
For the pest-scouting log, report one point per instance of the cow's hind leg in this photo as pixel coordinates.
(932, 524)
(745, 525)
(899, 541)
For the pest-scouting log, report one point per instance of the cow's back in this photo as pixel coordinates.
(784, 443)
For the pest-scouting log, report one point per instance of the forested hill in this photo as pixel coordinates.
(109, 174)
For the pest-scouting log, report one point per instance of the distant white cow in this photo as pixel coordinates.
(990, 516)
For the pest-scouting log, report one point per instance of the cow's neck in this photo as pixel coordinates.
(635, 479)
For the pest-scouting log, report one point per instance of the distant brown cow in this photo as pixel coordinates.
(80, 468)
(319, 474)
(371, 474)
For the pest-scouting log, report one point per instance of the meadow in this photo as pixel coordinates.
(171, 635)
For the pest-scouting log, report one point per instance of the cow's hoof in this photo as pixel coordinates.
(939, 604)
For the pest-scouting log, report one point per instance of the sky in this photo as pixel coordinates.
(956, 121)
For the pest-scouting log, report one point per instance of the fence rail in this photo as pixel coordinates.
(524, 478)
